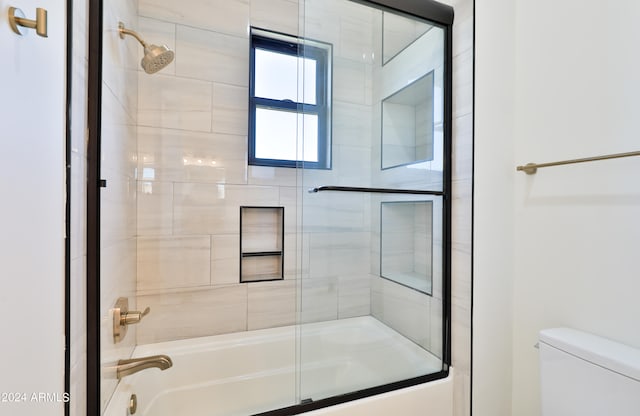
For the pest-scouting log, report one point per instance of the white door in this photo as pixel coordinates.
(32, 202)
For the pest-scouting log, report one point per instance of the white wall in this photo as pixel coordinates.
(576, 228)
(32, 218)
(493, 207)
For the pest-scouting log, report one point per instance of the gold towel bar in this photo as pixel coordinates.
(531, 168)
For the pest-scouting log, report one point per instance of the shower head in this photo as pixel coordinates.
(155, 57)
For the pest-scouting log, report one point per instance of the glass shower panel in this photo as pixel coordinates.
(373, 226)
(302, 296)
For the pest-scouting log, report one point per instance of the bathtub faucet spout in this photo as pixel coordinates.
(133, 365)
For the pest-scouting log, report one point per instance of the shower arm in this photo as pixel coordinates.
(124, 31)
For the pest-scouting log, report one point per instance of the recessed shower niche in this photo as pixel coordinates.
(407, 124)
(406, 243)
(261, 243)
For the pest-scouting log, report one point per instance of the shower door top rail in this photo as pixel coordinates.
(531, 168)
(374, 190)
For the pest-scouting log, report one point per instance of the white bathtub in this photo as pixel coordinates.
(245, 373)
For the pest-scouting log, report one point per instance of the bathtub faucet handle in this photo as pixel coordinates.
(133, 317)
(123, 317)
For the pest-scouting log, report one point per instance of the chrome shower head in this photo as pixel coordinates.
(155, 57)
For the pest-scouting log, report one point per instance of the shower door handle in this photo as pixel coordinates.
(17, 21)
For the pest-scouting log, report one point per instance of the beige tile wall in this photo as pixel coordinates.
(193, 174)
(192, 159)
(392, 303)
(336, 277)
(462, 201)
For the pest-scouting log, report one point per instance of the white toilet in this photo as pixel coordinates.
(585, 375)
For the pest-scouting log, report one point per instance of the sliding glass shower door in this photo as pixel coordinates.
(273, 210)
(374, 222)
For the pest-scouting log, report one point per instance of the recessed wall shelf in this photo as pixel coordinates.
(261, 244)
(406, 243)
(408, 124)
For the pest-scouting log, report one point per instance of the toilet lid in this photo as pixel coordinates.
(604, 352)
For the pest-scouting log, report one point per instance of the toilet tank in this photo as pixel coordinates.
(585, 375)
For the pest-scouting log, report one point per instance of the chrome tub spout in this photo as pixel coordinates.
(133, 365)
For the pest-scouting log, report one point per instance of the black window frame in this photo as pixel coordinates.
(298, 47)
